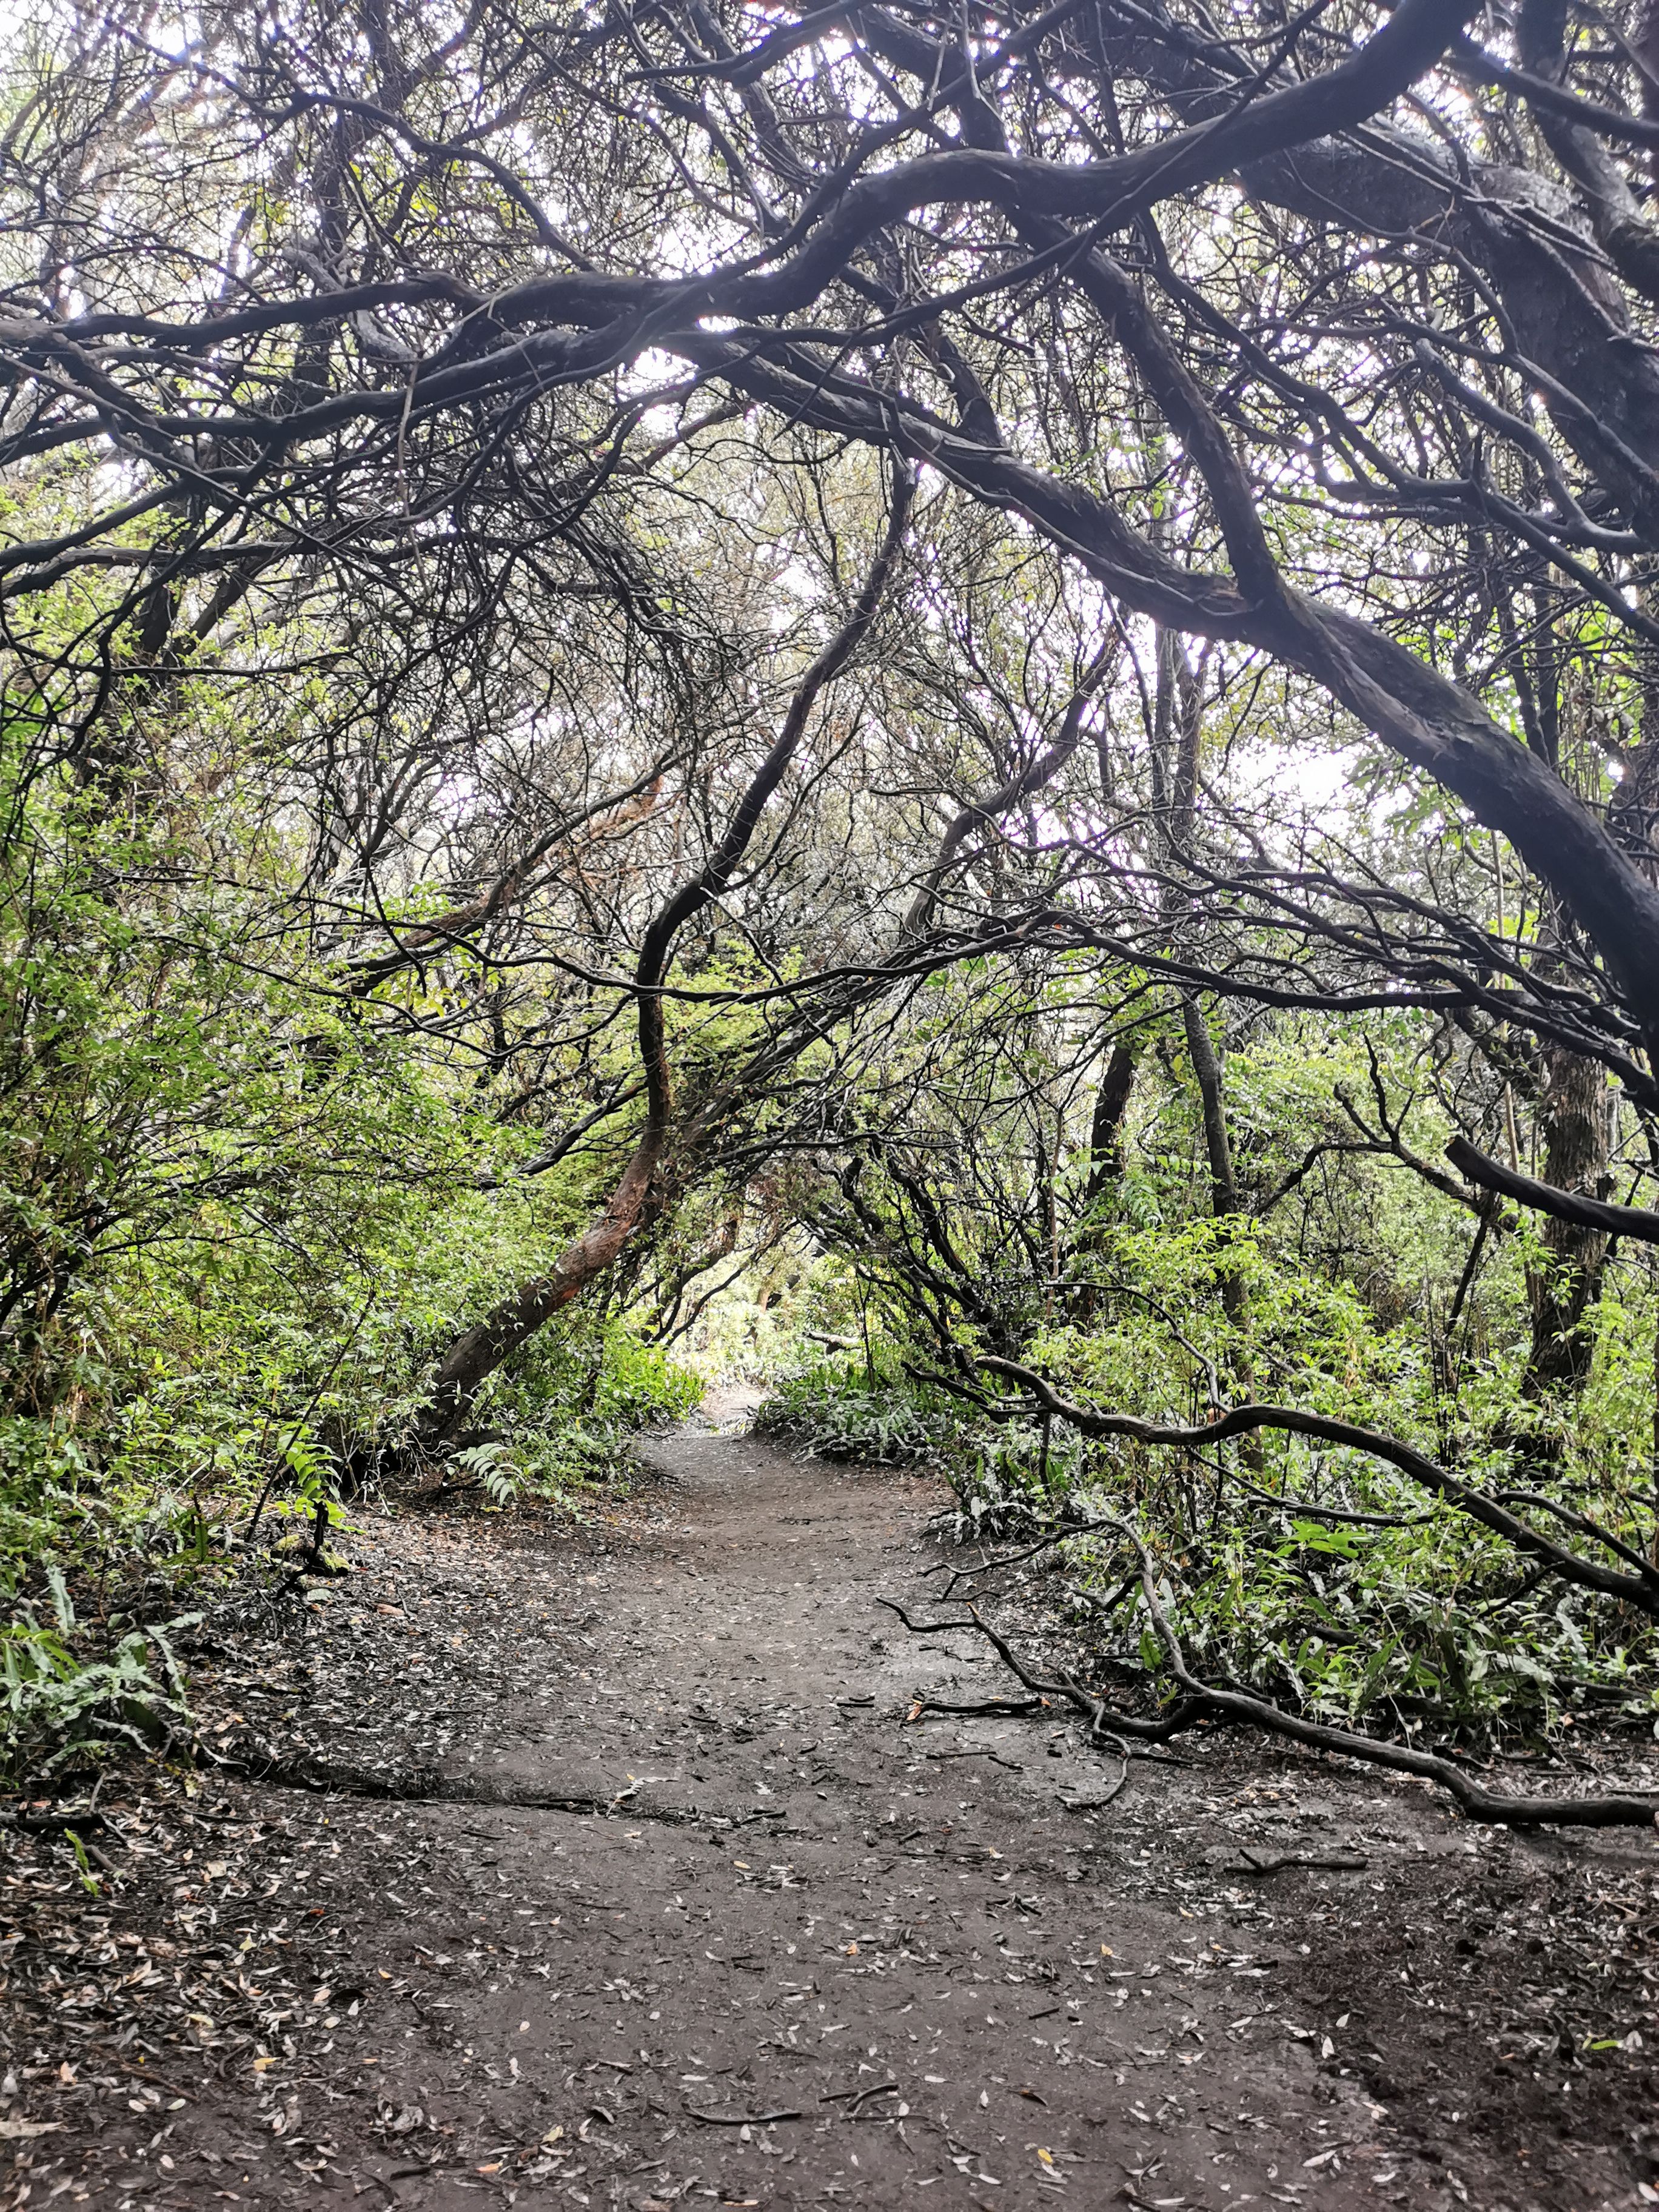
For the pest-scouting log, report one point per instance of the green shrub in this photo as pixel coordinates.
(832, 1413)
(61, 1706)
(560, 1416)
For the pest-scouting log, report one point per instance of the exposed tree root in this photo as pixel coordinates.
(423, 1787)
(1201, 1703)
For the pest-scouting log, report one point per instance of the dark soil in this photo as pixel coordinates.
(635, 1887)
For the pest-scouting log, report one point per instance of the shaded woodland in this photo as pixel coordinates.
(956, 711)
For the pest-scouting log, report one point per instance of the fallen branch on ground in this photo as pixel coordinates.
(1044, 1543)
(1101, 1718)
(1199, 1702)
(1342, 1862)
(88, 1823)
(985, 1708)
(1481, 1804)
(853, 2098)
(740, 2119)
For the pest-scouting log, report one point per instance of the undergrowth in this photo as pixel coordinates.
(1416, 1622)
(828, 1411)
(115, 1531)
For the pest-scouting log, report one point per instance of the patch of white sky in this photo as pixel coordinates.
(1286, 776)
(1292, 773)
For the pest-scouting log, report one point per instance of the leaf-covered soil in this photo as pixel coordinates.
(633, 1886)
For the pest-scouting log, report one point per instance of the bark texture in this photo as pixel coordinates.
(1562, 1288)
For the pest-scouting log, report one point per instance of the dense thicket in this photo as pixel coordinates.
(975, 678)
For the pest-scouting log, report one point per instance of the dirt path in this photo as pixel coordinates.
(716, 1925)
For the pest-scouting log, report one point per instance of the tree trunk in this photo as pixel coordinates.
(1206, 1072)
(471, 1361)
(473, 1358)
(1572, 1112)
(1179, 726)
(1106, 1128)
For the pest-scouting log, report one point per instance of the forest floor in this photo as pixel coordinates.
(621, 1880)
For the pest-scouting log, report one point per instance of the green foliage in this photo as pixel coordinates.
(240, 1213)
(832, 1412)
(60, 1707)
(641, 1387)
(567, 1405)
(1411, 1617)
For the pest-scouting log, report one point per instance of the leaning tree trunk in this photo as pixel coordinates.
(473, 1358)
(469, 1362)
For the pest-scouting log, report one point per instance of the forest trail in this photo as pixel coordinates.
(773, 1946)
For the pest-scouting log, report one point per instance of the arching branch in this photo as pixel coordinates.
(1543, 1198)
(1640, 1589)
